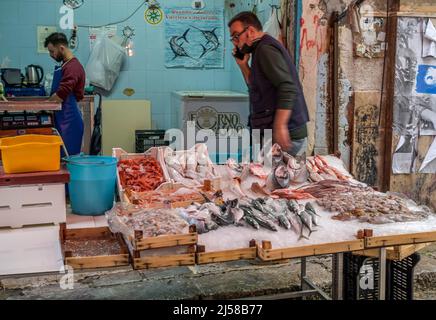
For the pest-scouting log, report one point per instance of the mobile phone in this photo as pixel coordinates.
(238, 54)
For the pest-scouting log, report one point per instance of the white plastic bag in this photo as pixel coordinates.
(104, 63)
(272, 26)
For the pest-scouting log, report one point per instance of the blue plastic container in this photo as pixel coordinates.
(92, 184)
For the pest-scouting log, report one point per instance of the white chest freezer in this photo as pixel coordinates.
(212, 110)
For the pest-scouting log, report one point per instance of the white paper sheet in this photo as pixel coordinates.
(429, 163)
(429, 40)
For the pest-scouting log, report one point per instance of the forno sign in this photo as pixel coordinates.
(208, 117)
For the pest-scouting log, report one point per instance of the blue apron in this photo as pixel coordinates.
(68, 121)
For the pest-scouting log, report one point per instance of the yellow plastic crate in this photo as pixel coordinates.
(31, 153)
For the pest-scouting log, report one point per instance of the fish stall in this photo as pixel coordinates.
(179, 208)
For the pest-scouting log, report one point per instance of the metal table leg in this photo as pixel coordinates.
(382, 273)
(338, 276)
(303, 275)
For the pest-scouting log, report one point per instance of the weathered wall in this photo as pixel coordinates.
(357, 74)
(313, 65)
(405, 98)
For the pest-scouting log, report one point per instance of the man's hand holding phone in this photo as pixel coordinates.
(240, 58)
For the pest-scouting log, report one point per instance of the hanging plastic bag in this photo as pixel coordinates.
(104, 63)
(272, 26)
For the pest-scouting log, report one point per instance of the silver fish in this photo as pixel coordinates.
(258, 216)
(260, 205)
(284, 222)
(295, 221)
(293, 206)
(309, 208)
(252, 222)
(306, 219)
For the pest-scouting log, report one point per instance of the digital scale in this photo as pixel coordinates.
(24, 120)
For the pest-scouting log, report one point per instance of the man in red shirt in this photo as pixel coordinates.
(67, 88)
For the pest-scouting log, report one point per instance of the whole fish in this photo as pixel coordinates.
(284, 222)
(258, 216)
(259, 204)
(306, 219)
(247, 210)
(251, 221)
(309, 208)
(222, 219)
(295, 221)
(292, 206)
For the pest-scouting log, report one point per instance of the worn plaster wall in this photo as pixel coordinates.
(313, 67)
(355, 74)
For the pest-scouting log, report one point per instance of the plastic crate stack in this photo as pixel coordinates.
(399, 277)
(146, 139)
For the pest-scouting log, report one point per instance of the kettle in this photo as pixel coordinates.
(34, 74)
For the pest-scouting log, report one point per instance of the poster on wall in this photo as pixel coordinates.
(414, 97)
(43, 32)
(426, 79)
(194, 38)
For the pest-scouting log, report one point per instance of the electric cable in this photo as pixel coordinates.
(117, 22)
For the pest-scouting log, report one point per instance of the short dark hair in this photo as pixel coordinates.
(55, 39)
(248, 19)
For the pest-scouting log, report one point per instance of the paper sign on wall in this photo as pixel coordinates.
(194, 38)
(426, 79)
(42, 32)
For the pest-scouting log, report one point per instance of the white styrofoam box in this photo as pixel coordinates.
(32, 204)
(212, 110)
(30, 250)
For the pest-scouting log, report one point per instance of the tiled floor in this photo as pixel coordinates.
(75, 221)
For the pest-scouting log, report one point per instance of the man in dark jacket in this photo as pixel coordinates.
(276, 96)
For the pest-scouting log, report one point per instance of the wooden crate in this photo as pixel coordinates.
(204, 257)
(167, 186)
(266, 253)
(120, 154)
(163, 251)
(90, 262)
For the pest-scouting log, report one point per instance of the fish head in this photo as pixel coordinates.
(282, 176)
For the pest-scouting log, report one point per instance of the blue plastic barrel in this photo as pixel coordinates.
(92, 183)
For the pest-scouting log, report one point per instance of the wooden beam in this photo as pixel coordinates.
(389, 94)
(396, 240)
(312, 250)
(226, 255)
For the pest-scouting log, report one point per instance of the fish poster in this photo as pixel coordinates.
(194, 38)
(426, 79)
